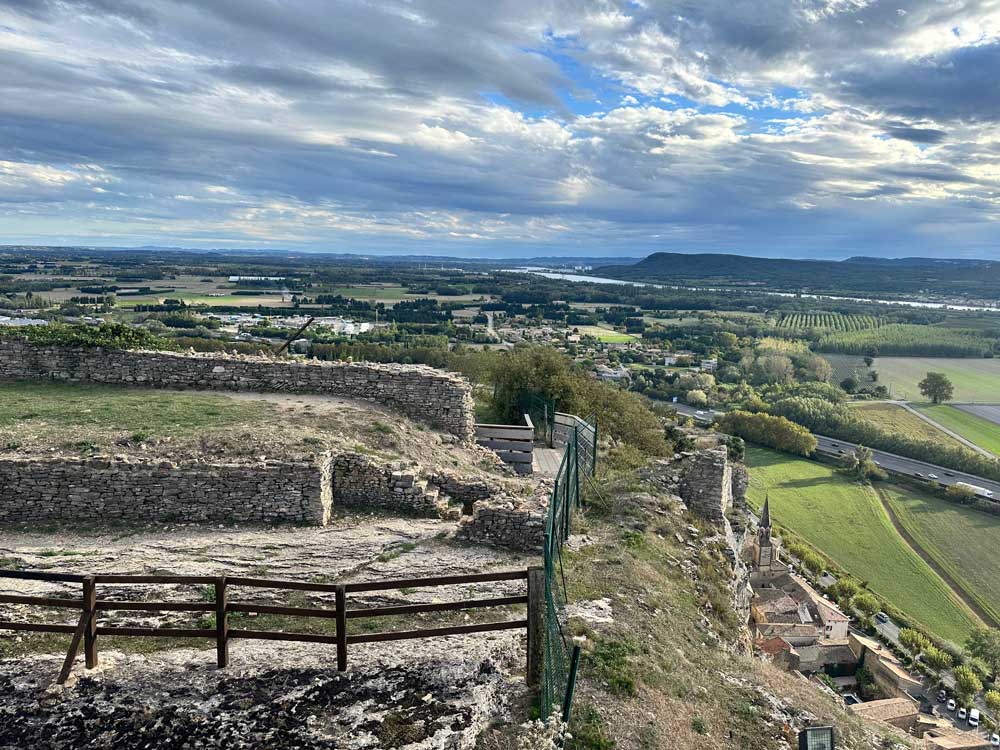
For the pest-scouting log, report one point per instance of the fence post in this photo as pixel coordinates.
(574, 664)
(576, 469)
(341, 628)
(536, 625)
(221, 623)
(593, 460)
(90, 632)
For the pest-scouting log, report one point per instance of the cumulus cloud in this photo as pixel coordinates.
(799, 126)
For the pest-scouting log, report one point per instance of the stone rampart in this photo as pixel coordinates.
(104, 490)
(504, 524)
(361, 481)
(443, 399)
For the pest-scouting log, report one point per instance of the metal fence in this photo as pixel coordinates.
(560, 658)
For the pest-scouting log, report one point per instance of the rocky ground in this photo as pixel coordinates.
(426, 693)
(440, 697)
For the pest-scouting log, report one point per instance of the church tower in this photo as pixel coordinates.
(765, 547)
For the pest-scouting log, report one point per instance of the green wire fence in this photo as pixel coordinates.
(560, 657)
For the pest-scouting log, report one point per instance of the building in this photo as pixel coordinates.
(786, 607)
(890, 677)
(709, 365)
(899, 712)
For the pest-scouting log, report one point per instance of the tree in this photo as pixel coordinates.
(967, 682)
(959, 493)
(696, 397)
(992, 699)
(913, 641)
(869, 360)
(937, 387)
(813, 563)
(984, 643)
(765, 429)
(850, 384)
(844, 590)
(937, 659)
(865, 603)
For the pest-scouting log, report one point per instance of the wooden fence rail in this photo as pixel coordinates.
(515, 444)
(88, 631)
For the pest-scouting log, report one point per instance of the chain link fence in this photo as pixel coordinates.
(560, 657)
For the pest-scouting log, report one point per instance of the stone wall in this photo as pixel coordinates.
(66, 490)
(440, 398)
(707, 484)
(361, 481)
(504, 524)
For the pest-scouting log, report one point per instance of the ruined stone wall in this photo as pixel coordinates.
(361, 481)
(440, 398)
(41, 490)
(707, 484)
(504, 525)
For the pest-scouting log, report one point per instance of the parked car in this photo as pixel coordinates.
(963, 713)
(882, 617)
(974, 717)
(942, 696)
(951, 704)
(995, 740)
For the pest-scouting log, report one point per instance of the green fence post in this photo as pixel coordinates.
(574, 664)
(593, 460)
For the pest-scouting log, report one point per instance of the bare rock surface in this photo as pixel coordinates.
(435, 694)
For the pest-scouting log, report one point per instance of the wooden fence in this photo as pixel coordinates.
(515, 444)
(89, 631)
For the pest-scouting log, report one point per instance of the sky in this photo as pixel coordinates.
(783, 128)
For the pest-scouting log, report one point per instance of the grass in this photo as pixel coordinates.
(59, 410)
(898, 420)
(961, 540)
(846, 521)
(982, 432)
(974, 379)
(606, 335)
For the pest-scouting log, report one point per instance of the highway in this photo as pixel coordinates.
(908, 467)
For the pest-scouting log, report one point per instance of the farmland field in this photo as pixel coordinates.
(824, 322)
(982, 432)
(896, 419)
(961, 540)
(974, 379)
(847, 522)
(606, 335)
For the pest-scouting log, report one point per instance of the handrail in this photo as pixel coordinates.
(89, 605)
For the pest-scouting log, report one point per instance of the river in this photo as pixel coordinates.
(605, 280)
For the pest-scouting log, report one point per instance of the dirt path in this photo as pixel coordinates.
(954, 585)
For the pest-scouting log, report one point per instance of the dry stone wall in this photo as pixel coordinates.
(63, 490)
(361, 481)
(442, 399)
(505, 524)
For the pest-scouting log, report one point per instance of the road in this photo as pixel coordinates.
(901, 465)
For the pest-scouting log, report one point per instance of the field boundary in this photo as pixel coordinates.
(957, 589)
(950, 433)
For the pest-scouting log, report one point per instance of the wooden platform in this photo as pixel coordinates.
(546, 460)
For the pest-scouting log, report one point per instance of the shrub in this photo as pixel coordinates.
(106, 335)
(772, 431)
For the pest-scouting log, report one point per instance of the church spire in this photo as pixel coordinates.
(765, 515)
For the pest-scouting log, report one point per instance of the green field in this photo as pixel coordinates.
(193, 298)
(961, 540)
(896, 419)
(974, 379)
(606, 335)
(54, 412)
(982, 432)
(847, 523)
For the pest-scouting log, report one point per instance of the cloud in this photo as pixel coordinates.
(798, 126)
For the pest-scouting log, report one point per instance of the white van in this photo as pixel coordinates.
(974, 717)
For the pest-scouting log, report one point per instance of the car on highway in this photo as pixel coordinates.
(932, 476)
(918, 474)
(949, 474)
(951, 704)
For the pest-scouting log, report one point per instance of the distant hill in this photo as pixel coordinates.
(974, 278)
